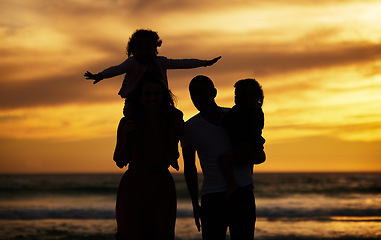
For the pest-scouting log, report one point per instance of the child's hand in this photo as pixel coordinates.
(213, 61)
(97, 77)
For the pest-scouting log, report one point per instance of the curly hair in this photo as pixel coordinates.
(248, 83)
(143, 33)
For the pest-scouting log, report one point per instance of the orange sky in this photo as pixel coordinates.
(319, 63)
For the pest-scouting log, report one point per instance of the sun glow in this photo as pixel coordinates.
(64, 123)
(318, 62)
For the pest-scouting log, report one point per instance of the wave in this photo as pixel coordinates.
(108, 212)
(271, 185)
(92, 196)
(56, 213)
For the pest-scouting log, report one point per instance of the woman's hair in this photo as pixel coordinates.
(143, 33)
(166, 113)
(248, 83)
(152, 77)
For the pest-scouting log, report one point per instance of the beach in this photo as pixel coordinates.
(289, 206)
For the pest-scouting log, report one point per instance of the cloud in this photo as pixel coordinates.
(45, 156)
(55, 91)
(268, 62)
(60, 87)
(45, 55)
(318, 62)
(321, 153)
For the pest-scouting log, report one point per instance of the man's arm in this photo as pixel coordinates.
(191, 179)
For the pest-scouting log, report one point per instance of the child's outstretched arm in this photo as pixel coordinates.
(187, 63)
(213, 61)
(96, 77)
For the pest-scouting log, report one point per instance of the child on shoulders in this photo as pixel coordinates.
(142, 58)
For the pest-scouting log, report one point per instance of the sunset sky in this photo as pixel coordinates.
(319, 63)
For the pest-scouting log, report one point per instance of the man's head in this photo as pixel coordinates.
(202, 92)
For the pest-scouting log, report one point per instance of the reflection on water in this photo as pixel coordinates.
(293, 206)
(301, 229)
(309, 229)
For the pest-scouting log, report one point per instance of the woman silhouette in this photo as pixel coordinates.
(146, 199)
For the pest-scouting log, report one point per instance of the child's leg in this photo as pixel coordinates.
(122, 151)
(242, 154)
(173, 153)
(259, 157)
(119, 153)
(225, 162)
(248, 153)
(175, 133)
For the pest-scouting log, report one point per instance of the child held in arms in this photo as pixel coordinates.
(244, 123)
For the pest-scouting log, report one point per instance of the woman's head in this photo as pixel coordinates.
(143, 44)
(152, 94)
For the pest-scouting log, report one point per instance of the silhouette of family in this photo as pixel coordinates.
(228, 143)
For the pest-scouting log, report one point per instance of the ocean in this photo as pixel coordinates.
(297, 206)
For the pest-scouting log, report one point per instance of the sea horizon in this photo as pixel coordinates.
(181, 172)
(306, 206)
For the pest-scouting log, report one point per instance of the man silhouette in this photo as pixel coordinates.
(205, 135)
